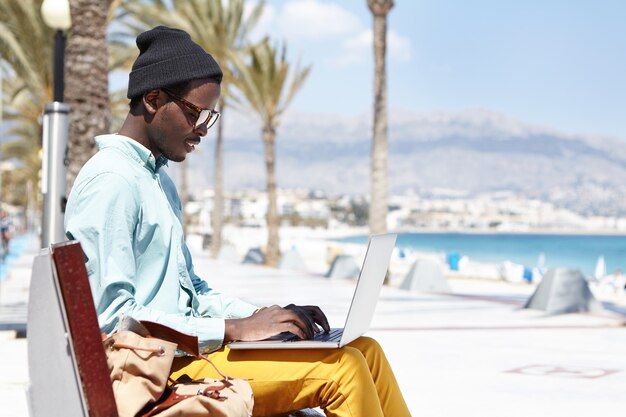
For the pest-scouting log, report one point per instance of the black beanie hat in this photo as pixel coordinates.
(166, 57)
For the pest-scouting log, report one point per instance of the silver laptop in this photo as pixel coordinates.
(361, 310)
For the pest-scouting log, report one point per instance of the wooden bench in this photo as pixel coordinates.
(68, 372)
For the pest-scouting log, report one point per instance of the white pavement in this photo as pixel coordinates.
(471, 353)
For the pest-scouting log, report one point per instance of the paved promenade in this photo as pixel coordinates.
(470, 353)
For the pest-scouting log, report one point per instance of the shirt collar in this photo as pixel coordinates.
(132, 148)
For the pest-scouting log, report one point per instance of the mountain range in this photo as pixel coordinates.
(473, 151)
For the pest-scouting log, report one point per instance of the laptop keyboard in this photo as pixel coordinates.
(333, 336)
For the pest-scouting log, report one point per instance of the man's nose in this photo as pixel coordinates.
(201, 130)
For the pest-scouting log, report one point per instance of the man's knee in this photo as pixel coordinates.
(352, 357)
(367, 345)
(370, 342)
(372, 352)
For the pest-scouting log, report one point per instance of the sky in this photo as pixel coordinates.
(560, 64)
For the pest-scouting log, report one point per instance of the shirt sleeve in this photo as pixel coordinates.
(102, 215)
(212, 302)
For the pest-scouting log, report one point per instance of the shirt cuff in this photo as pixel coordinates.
(210, 332)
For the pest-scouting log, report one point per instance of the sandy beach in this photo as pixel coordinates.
(318, 247)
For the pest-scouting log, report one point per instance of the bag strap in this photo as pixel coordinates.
(160, 350)
(185, 342)
(170, 398)
(149, 329)
(225, 378)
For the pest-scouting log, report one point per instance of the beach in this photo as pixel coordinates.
(472, 351)
(500, 257)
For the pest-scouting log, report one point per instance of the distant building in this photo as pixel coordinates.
(439, 210)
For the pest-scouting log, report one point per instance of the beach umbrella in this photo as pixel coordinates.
(600, 270)
(541, 261)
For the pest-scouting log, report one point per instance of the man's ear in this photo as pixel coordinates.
(150, 101)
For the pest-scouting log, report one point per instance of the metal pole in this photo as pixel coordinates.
(59, 62)
(55, 134)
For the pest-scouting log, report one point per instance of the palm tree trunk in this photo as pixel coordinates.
(217, 215)
(87, 84)
(378, 201)
(272, 251)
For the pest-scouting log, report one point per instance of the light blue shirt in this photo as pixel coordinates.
(126, 213)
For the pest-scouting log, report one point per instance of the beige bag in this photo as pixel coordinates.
(209, 397)
(139, 368)
(140, 365)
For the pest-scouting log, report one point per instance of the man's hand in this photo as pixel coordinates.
(313, 316)
(299, 320)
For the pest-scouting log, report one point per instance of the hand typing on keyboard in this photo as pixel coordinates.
(333, 335)
(302, 321)
(312, 315)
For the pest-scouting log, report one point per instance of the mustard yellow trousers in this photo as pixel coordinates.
(354, 381)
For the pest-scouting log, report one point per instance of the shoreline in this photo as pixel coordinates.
(539, 232)
(332, 234)
(317, 247)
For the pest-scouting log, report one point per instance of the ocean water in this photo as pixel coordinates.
(567, 250)
(16, 247)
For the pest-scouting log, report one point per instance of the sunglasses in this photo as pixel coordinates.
(205, 116)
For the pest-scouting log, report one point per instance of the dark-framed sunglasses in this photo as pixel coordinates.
(205, 116)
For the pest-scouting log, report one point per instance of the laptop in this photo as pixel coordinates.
(361, 311)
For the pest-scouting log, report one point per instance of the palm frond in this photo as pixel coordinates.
(26, 56)
(267, 83)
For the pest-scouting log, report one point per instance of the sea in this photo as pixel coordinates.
(531, 250)
(16, 247)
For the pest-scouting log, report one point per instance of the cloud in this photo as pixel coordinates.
(359, 48)
(355, 50)
(312, 19)
(265, 23)
(399, 46)
(331, 26)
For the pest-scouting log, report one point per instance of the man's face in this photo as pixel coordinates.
(172, 132)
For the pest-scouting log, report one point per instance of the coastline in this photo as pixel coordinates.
(540, 232)
(318, 247)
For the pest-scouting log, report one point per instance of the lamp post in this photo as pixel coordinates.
(56, 14)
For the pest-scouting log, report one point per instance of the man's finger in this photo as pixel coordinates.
(319, 317)
(305, 318)
(295, 329)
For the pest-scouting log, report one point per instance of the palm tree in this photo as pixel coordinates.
(22, 115)
(26, 52)
(263, 81)
(222, 30)
(87, 85)
(378, 197)
(26, 65)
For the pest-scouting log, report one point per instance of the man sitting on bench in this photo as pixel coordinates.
(126, 213)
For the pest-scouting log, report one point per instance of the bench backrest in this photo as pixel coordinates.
(68, 372)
